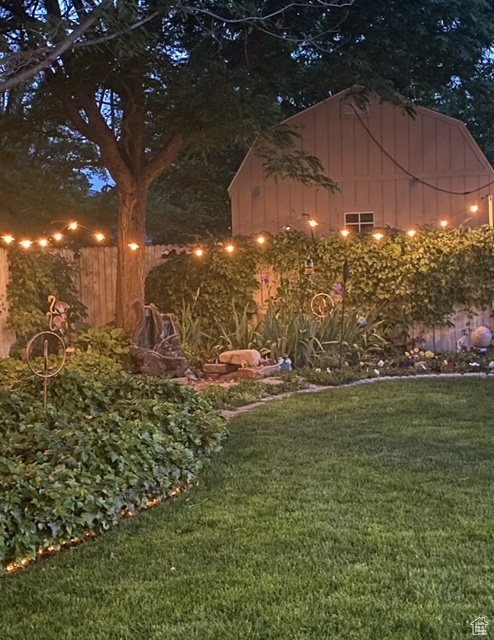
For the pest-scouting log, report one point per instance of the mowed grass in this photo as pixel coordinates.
(363, 512)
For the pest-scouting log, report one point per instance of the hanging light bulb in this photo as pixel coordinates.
(133, 246)
(57, 236)
(26, 243)
(199, 252)
(8, 239)
(474, 208)
(43, 242)
(99, 236)
(73, 226)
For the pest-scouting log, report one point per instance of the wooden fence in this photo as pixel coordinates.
(96, 283)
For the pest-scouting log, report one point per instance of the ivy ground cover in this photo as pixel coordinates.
(361, 512)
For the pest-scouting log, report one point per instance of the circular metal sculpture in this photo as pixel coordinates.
(41, 343)
(481, 337)
(39, 359)
(322, 305)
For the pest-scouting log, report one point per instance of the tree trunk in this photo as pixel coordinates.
(132, 202)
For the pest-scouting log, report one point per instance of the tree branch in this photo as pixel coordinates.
(163, 159)
(56, 52)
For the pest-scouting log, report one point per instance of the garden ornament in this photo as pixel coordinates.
(42, 342)
(310, 272)
(346, 275)
(481, 338)
(286, 365)
(322, 305)
(156, 342)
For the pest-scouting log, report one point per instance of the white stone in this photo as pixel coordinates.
(241, 357)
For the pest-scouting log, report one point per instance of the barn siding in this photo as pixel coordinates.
(433, 147)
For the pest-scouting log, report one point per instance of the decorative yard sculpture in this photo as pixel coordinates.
(481, 338)
(156, 342)
(42, 343)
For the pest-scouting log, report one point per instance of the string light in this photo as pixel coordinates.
(411, 233)
(43, 242)
(8, 239)
(133, 246)
(12, 567)
(73, 226)
(474, 208)
(99, 236)
(230, 248)
(345, 233)
(26, 243)
(57, 236)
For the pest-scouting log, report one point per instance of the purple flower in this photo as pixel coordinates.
(338, 288)
(264, 278)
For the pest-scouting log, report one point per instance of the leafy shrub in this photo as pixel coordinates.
(35, 275)
(210, 284)
(408, 281)
(109, 341)
(101, 447)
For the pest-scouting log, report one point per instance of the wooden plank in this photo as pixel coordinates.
(7, 338)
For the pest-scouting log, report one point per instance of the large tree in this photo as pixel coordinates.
(197, 76)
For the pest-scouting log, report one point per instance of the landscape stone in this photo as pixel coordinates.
(219, 367)
(241, 357)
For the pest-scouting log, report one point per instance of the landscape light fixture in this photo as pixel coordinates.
(474, 208)
(345, 233)
(411, 233)
(443, 224)
(313, 223)
(230, 248)
(261, 239)
(199, 252)
(378, 236)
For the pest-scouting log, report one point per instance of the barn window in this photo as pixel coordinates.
(360, 222)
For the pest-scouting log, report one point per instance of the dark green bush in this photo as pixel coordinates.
(209, 285)
(101, 447)
(35, 275)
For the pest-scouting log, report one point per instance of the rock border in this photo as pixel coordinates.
(314, 388)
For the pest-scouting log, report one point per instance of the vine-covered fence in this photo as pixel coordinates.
(95, 281)
(96, 284)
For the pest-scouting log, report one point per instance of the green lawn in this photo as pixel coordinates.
(363, 512)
